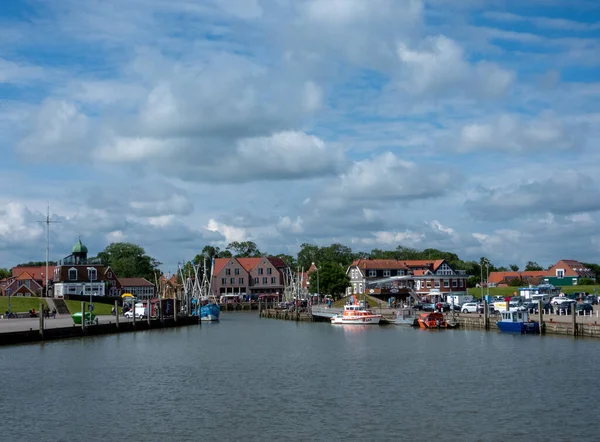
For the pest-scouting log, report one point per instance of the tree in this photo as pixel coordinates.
(211, 252)
(288, 259)
(5, 273)
(514, 267)
(532, 266)
(516, 282)
(337, 253)
(129, 261)
(332, 279)
(36, 264)
(244, 249)
(594, 268)
(308, 254)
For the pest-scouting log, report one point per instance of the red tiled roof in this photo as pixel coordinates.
(277, 262)
(498, 277)
(248, 263)
(135, 282)
(219, 264)
(24, 276)
(572, 268)
(35, 272)
(424, 263)
(379, 264)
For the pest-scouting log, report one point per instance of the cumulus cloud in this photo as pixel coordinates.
(568, 192)
(387, 177)
(512, 133)
(438, 66)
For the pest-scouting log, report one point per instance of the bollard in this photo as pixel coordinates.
(148, 314)
(133, 316)
(117, 313)
(541, 317)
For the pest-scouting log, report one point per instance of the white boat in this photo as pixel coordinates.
(404, 317)
(356, 314)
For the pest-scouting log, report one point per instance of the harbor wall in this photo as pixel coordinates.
(75, 331)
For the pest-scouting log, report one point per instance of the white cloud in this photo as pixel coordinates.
(438, 66)
(231, 233)
(19, 73)
(513, 133)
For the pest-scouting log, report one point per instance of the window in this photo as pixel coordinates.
(273, 280)
(372, 273)
(228, 272)
(387, 273)
(232, 280)
(241, 281)
(92, 274)
(260, 271)
(269, 271)
(437, 283)
(353, 273)
(255, 280)
(265, 280)
(462, 282)
(428, 284)
(236, 271)
(72, 274)
(223, 281)
(446, 283)
(560, 273)
(454, 283)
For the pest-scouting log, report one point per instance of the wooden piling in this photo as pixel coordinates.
(540, 317)
(42, 320)
(147, 313)
(133, 316)
(83, 315)
(486, 317)
(117, 313)
(574, 320)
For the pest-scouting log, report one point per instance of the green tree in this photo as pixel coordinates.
(594, 268)
(5, 273)
(586, 281)
(332, 279)
(210, 252)
(308, 254)
(129, 261)
(516, 282)
(36, 264)
(337, 253)
(514, 267)
(532, 266)
(288, 259)
(244, 249)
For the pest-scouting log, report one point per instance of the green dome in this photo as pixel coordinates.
(79, 247)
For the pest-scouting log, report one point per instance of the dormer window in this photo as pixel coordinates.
(72, 274)
(560, 273)
(372, 273)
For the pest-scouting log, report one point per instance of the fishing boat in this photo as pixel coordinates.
(433, 320)
(517, 322)
(203, 302)
(356, 314)
(210, 312)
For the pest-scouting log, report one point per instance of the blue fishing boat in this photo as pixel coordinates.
(210, 312)
(517, 322)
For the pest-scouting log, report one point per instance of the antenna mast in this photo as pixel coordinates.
(47, 221)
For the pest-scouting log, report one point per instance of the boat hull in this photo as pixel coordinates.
(367, 320)
(519, 327)
(210, 312)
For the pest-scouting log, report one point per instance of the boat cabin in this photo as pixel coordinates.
(515, 316)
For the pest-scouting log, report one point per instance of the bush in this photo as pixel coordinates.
(586, 281)
(517, 282)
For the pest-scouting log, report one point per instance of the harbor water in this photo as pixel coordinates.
(254, 379)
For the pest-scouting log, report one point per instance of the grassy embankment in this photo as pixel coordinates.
(99, 308)
(20, 304)
(508, 291)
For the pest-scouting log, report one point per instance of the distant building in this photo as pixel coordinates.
(22, 285)
(245, 276)
(141, 288)
(567, 272)
(37, 274)
(79, 275)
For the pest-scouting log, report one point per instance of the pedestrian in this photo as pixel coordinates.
(53, 313)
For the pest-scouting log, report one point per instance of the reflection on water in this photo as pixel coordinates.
(257, 379)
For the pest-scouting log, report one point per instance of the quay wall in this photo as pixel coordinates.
(75, 331)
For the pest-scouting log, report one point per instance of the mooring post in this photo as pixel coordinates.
(133, 316)
(541, 316)
(42, 320)
(83, 315)
(174, 310)
(486, 318)
(148, 313)
(574, 320)
(117, 312)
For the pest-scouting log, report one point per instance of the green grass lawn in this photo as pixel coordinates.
(508, 291)
(99, 308)
(20, 304)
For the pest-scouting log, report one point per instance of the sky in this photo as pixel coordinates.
(470, 126)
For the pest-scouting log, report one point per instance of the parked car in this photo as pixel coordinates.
(591, 299)
(584, 308)
(129, 314)
(557, 300)
(530, 306)
(469, 307)
(564, 308)
(455, 307)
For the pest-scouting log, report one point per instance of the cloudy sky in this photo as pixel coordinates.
(465, 125)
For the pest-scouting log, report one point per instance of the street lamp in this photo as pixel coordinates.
(487, 278)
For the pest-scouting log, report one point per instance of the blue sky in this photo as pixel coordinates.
(468, 125)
